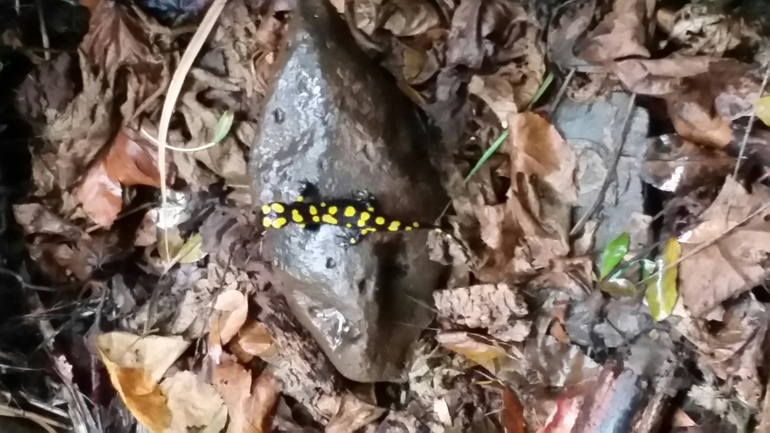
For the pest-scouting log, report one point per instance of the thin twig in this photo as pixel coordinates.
(562, 91)
(43, 31)
(611, 171)
(24, 283)
(178, 149)
(174, 89)
(46, 423)
(752, 118)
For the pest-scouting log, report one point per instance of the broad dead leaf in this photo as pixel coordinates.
(698, 29)
(737, 261)
(251, 404)
(193, 404)
(135, 366)
(733, 350)
(352, 415)
(255, 339)
(622, 33)
(116, 38)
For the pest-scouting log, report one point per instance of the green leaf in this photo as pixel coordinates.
(179, 250)
(661, 293)
(191, 250)
(541, 90)
(618, 287)
(762, 109)
(223, 126)
(613, 254)
(492, 149)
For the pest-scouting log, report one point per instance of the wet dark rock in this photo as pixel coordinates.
(336, 120)
(593, 130)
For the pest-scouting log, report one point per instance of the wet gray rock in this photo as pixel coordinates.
(593, 130)
(336, 120)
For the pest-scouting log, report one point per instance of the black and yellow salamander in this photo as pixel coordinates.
(359, 215)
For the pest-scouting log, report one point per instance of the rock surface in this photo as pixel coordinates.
(593, 131)
(336, 120)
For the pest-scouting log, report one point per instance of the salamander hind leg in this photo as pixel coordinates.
(366, 198)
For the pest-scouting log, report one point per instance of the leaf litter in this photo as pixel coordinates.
(532, 310)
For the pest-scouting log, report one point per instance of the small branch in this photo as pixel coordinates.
(753, 117)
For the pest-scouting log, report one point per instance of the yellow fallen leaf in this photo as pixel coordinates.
(481, 353)
(661, 291)
(153, 354)
(762, 109)
(140, 394)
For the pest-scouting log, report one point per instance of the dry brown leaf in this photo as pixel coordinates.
(135, 366)
(622, 33)
(151, 353)
(733, 350)
(234, 308)
(735, 263)
(352, 415)
(116, 38)
(36, 218)
(255, 339)
(410, 17)
(699, 30)
(496, 307)
(193, 404)
(251, 405)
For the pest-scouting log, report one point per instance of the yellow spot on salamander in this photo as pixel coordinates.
(415, 224)
(278, 207)
(265, 208)
(352, 240)
(313, 210)
(349, 211)
(300, 199)
(296, 216)
(438, 230)
(365, 216)
(332, 210)
(323, 204)
(279, 222)
(328, 219)
(368, 230)
(348, 225)
(302, 226)
(394, 225)
(267, 222)
(379, 220)
(370, 209)
(361, 223)
(407, 228)
(316, 219)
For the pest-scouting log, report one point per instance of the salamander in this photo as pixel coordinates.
(359, 215)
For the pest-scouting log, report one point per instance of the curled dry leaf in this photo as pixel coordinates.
(352, 415)
(250, 403)
(130, 161)
(703, 94)
(255, 339)
(234, 308)
(736, 262)
(622, 33)
(194, 404)
(678, 166)
(483, 352)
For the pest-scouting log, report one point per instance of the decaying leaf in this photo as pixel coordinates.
(622, 33)
(353, 414)
(734, 349)
(737, 261)
(194, 404)
(179, 250)
(661, 293)
(255, 339)
(496, 307)
(699, 29)
(250, 404)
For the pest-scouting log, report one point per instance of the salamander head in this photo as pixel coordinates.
(273, 215)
